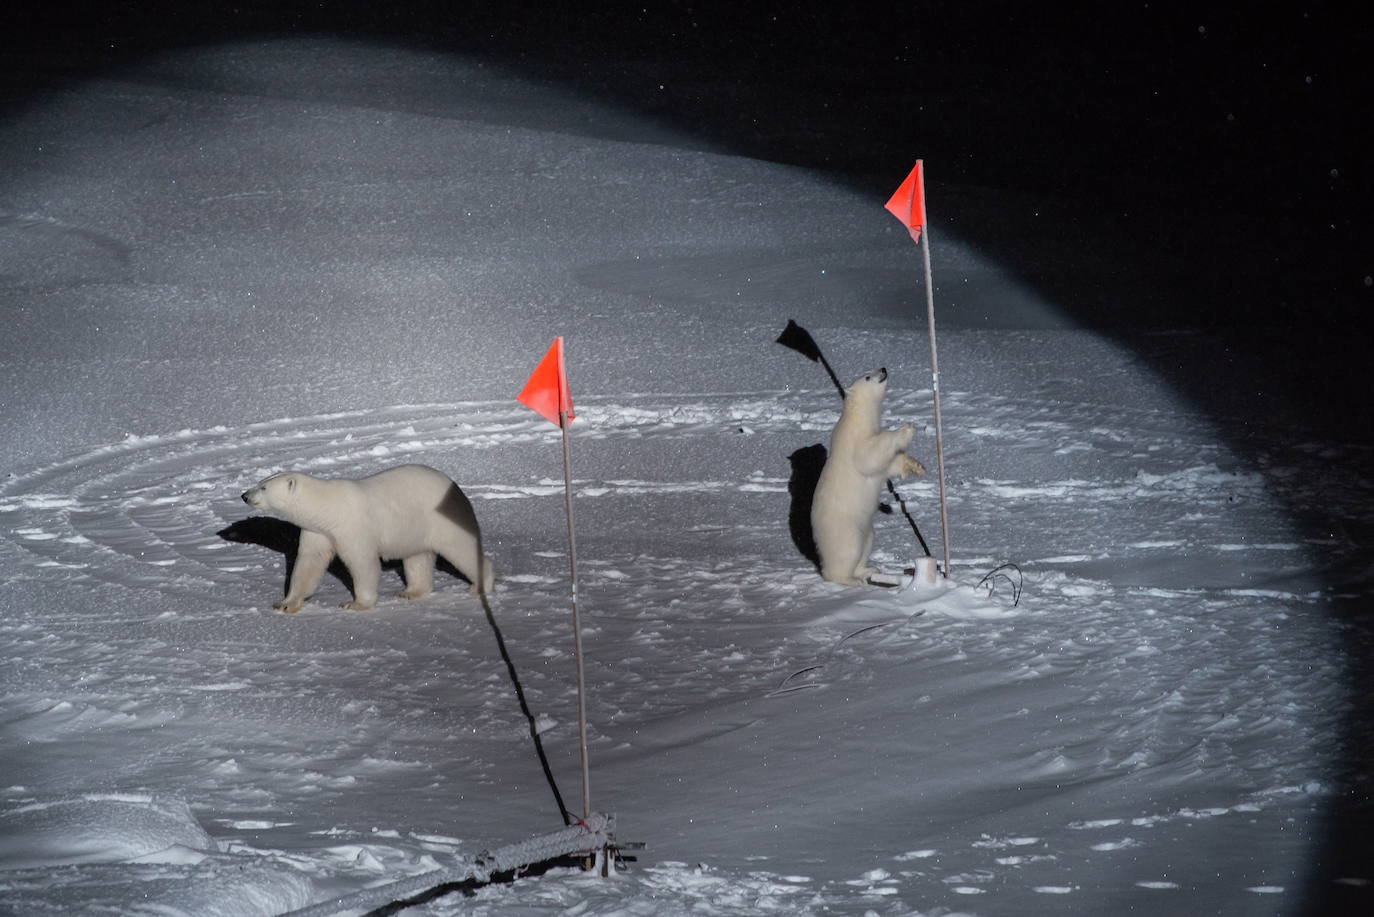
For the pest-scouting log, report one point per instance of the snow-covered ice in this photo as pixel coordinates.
(220, 264)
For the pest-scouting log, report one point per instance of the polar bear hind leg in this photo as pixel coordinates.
(864, 570)
(458, 539)
(840, 555)
(465, 553)
(419, 573)
(845, 560)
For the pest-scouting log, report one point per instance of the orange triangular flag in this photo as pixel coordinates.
(547, 391)
(908, 203)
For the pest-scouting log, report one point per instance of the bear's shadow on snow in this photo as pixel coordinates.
(801, 488)
(282, 537)
(285, 537)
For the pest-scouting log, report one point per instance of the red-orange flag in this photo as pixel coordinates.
(547, 391)
(908, 204)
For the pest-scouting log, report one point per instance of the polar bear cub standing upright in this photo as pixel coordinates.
(411, 513)
(862, 456)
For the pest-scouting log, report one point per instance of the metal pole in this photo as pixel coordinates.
(577, 627)
(935, 378)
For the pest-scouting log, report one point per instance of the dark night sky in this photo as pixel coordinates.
(1249, 129)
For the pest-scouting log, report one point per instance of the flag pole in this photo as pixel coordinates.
(934, 374)
(576, 625)
(546, 393)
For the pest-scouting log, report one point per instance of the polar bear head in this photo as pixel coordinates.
(869, 387)
(863, 401)
(276, 492)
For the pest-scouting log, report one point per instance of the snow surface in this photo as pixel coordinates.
(334, 258)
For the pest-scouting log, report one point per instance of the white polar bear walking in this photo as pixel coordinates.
(862, 456)
(411, 513)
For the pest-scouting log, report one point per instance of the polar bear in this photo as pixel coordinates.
(410, 512)
(862, 456)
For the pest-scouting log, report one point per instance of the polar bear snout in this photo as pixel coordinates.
(882, 374)
(252, 496)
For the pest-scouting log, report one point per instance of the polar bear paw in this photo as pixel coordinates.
(912, 468)
(287, 608)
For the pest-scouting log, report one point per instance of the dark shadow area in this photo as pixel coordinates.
(1195, 183)
(266, 532)
(525, 709)
(801, 488)
(282, 537)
